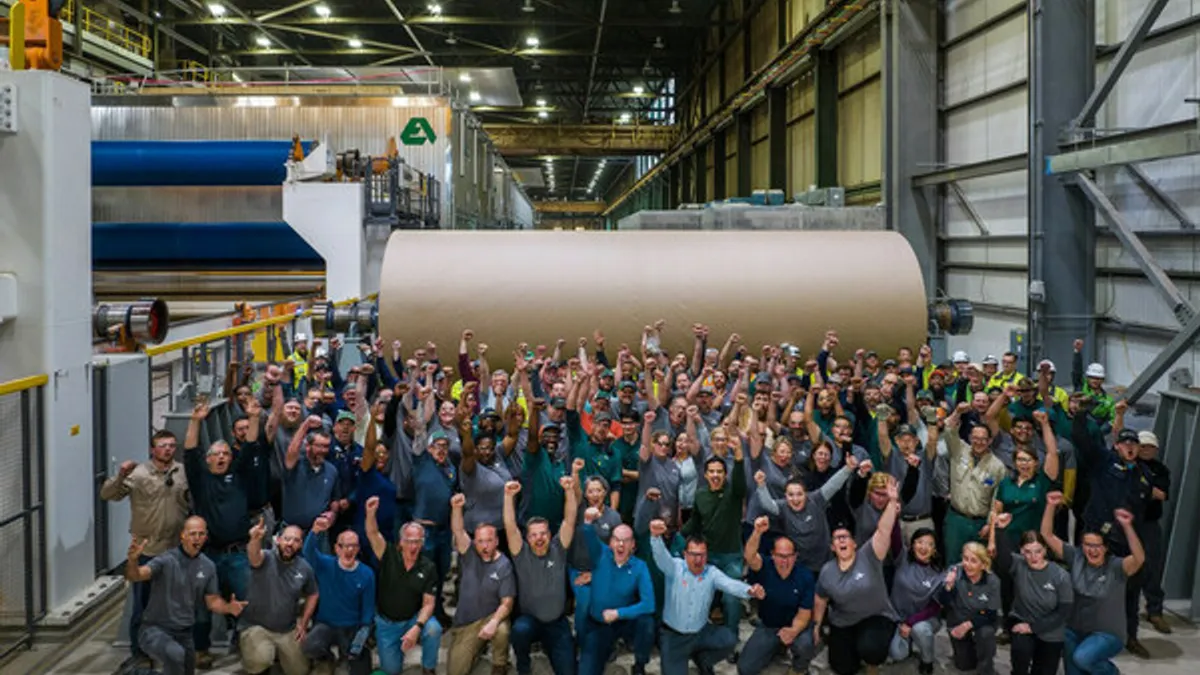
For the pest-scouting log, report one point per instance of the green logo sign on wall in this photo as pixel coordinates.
(418, 132)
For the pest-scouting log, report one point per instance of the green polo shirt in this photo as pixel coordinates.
(599, 460)
(718, 515)
(1026, 502)
(543, 493)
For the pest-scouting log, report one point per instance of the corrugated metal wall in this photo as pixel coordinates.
(860, 108)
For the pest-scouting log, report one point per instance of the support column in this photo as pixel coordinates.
(719, 165)
(673, 186)
(1062, 239)
(686, 181)
(743, 155)
(698, 162)
(826, 127)
(777, 138)
(910, 83)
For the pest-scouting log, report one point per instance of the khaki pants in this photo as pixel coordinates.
(465, 645)
(908, 527)
(260, 648)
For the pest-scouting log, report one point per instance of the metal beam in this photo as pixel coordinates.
(1115, 69)
(961, 172)
(266, 18)
(408, 29)
(1176, 299)
(594, 208)
(777, 138)
(268, 34)
(1182, 342)
(825, 129)
(513, 140)
(965, 204)
(1181, 144)
(1161, 198)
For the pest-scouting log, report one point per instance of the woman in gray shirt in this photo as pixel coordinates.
(852, 590)
(971, 597)
(1041, 604)
(1095, 632)
(918, 579)
(802, 514)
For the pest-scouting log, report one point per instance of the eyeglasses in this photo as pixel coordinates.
(408, 540)
(1033, 551)
(696, 554)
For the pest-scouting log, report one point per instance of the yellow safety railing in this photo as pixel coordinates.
(23, 384)
(194, 71)
(107, 28)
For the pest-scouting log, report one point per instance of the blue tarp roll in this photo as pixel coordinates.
(189, 163)
(213, 246)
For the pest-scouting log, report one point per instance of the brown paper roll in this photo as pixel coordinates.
(770, 287)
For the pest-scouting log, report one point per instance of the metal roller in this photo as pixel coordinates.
(142, 322)
(358, 318)
(191, 163)
(952, 316)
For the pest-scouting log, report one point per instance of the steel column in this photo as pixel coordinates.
(1124, 55)
(719, 164)
(1161, 198)
(698, 169)
(826, 125)
(1177, 300)
(777, 138)
(911, 85)
(1181, 343)
(744, 164)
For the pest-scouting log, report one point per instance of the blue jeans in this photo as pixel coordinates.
(599, 639)
(731, 606)
(764, 643)
(140, 595)
(389, 638)
(438, 547)
(556, 640)
(919, 641)
(1091, 653)
(233, 573)
(583, 599)
(712, 645)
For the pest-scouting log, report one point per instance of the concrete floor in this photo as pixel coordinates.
(1174, 654)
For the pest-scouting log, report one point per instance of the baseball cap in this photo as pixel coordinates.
(905, 430)
(607, 372)
(1047, 363)
(438, 436)
(890, 363)
(1147, 438)
(490, 412)
(1025, 384)
(1128, 436)
(1095, 370)
(871, 353)
(961, 357)
(346, 415)
(925, 394)
(601, 418)
(558, 402)
(628, 384)
(708, 390)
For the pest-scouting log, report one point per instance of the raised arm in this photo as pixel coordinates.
(511, 531)
(1133, 562)
(462, 540)
(1053, 500)
(1051, 465)
(374, 537)
(881, 541)
(134, 571)
(750, 551)
(254, 549)
(566, 531)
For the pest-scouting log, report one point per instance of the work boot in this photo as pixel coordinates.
(204, 661)
(499, 670)
(1137, 649)
(1003, 638)
(1160, 624)
(925, 668)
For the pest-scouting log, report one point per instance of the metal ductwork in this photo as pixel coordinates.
(143, 322)
(952, 316)
(356, 318)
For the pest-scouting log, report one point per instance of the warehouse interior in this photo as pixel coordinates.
(186, 184)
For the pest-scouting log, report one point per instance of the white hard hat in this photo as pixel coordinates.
(320, 352)
(301, 337)
(1047, 363)
(1147, 438)
(961, 357)
(991, 360)
(1095, 370)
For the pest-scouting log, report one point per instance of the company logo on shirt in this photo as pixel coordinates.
(858, 576)
(494, 576)
(200, 575)
(928, 583)
(808, 518)
(1048, 586)
(298, 576)
(983, 597)
(420, 575)
(1102, 578)
(549, 563)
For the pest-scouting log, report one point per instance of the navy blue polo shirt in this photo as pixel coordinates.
(784, 597)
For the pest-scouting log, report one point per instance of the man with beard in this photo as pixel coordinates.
(309, 481)
(280, 581)
(178, 578)
(717, 517)
(543, 470)
(601, 458)
(158, 505)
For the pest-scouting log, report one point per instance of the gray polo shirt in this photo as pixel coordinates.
(1099, 594)
(662, 473)
(1040, 598)
(808, 528)
(276, 591)
(484, 490)
(484, 585)
(307, 491)
(178, 585)
(915, 586)
(856, 594)
(543, 581)
(921, 504)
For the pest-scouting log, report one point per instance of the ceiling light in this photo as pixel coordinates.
(157, 14)
(322, 11)
(464, 77)
(639, 90)
(541, 102)
(528, 6)
(474, 96)
(675, 8)
(355, 43)
(451, 40)
(543, 114)
(435, 9)
(263, 41)
(658, 43)
(237, 78)
(624, 118)
(536, 66)
(216, 9)
(532, 41)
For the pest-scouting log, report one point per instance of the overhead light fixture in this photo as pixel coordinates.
(237, 78)
(474, 96)
(543, 114)
(541, 103)
(216, 9)
(639, 90)
(624, 118)
(322, 11)
(658, 43)
(435, 9)
(464, 77)
(451, 40)
(532, 41)
(355, 43)
(675, 8)
(528, 7)
(157, 14)
(262, 41)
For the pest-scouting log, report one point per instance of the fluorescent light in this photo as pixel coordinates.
(435, 9)
(541, 103)
(355, 43)
(216, 9)
(322, 11)
(543, 114)
(263, 41)
(639, 90)
(237, 78)
(624, 118)
(474, 95)
(532, 41)
(464, 77)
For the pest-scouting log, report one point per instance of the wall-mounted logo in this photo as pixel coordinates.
(418, 132)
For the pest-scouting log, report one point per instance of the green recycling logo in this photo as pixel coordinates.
(418, 132)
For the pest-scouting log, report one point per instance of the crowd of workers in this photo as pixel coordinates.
(852, 503)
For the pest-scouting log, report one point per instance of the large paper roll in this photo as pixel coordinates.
(770, 287)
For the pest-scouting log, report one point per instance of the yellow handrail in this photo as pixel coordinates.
(238, 330)
(107, 28)
(23, 384)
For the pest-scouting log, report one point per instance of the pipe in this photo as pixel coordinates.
(190, 163)
(112, 285)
